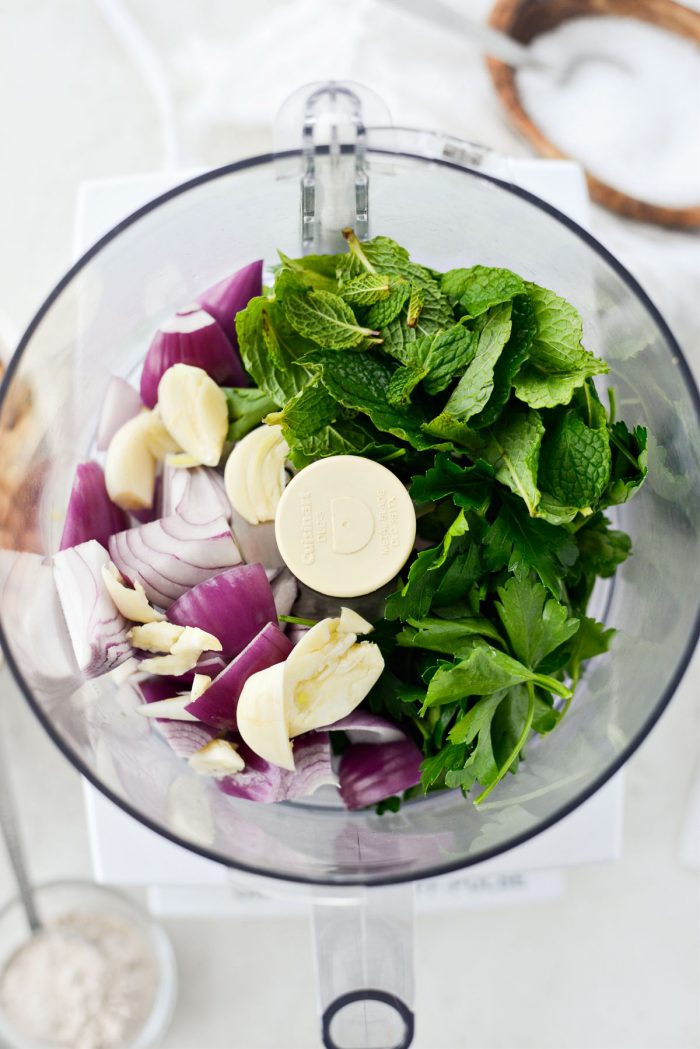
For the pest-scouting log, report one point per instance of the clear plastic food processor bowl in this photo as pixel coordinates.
(339, 163)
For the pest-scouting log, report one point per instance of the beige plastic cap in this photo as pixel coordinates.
(345, 526)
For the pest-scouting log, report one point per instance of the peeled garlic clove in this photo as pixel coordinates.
(200, 683)
(261, 719)
(328, 674)
(351, 622)
(255, 476)
(192, 637)
(160, 442)
(218, 758)
(194, 411)
(133, 604)
(155, 636)
(173, 709)
(130, 466)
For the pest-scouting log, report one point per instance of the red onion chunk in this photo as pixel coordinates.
(285, 591)
(91, 514)
(313, 761)
(170, 556)
(185, 737)
(370, 772)
(234, 606)
(217, 705)
(262, 782)
(225, 299)
(194, 337)
(154, 689)
(196, 494)
(364, 727)
(97, 629)
(121, 403)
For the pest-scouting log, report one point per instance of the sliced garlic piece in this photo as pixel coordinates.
(255, 476)
(327, 674)
(157, 636)
(183, 652)
(181, 460)
(133, 604)
(261, 719)
(130, 466)
(173, 709)
(200, 683)
(351, 622)
(218, 758)
(194, 411)
(159, 440)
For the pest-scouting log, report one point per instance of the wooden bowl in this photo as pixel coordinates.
(526, 19)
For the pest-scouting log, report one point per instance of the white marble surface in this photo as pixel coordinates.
(614, 962)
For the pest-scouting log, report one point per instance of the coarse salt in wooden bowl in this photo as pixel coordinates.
(526, 19)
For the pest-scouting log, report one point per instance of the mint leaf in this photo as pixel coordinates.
(514, 354)
(270, 349)
(482, 672)
(416, 302)
(360, 382)
(444, 355)
(366, 289)
(575, 462)
(247, 407)
(343, 437)
(306, 413)
(324, 318)
(521, 543)
(557, 362)
(513, 449)
(314, 271)
(629, 463)
(446, 635)
(479, 288)
(535, 622)
(468, 486)
(475, 386)
(403, 382)
(382, 313)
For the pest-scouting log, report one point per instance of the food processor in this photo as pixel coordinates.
(338, 162)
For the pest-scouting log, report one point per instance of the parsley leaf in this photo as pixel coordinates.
(535, 622)
(521, 543)
(470, 487)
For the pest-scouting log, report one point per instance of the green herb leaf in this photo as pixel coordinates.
(366, 289)
(416, 302)
(575, 462)
(247, 407)
(446, 635)
(382, 313)
(515, 353)
(444, 355)
(403, 383)
(305, 414)
(360, 382)
(270, 350)
(629, 463)
(476, 385)
(482, 672)
(469, 487)
(557, 362)
(479, 288)
(326, 319)
(513, 449)
(536, 623)
(521, 543)
(315, 271)
(343, 437)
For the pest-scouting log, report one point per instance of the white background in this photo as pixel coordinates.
(614, 962)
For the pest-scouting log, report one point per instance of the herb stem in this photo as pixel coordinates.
(297, 620)
(522, 739)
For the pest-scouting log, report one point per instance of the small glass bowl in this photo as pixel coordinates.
(57, 898)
